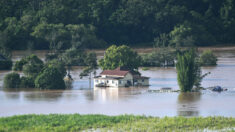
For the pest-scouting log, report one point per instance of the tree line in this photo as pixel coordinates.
(42, 24)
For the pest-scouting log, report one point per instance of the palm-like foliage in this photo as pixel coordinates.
(187, 70)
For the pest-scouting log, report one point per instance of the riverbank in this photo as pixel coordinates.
(76, 122)
(150, 49)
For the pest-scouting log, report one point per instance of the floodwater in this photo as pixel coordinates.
(138, 101)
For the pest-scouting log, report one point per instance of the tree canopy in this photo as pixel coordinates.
(120, 56)
(57, 24)
(187, 70)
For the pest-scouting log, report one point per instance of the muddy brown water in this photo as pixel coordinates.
(138, 101)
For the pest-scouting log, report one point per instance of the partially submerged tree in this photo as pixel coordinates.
(186, 70)
(120, 56)
(12, 80)
(189, 72)
(50, 78)
(208, 58)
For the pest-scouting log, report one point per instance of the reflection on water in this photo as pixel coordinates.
(187, 104)
(115, 94)
(43, 96)
(79, 98)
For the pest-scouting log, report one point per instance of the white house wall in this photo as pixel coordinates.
(120, 82)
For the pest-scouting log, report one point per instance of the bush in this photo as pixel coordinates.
(5, 64)
(208, 58)
(73, 57)
(19, 64)
(58, 65)
(12, 80)
(32, 69)
(50, 78)
(163, 57)
(26, 82)
(31, 60)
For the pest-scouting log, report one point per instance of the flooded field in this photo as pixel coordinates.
(84, 99)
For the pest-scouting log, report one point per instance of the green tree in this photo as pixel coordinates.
(58, 65)
(12, 80)
(31, 65)
(121, 56)
(26, 82)
(50, 78)
(187, 70)
(208, 58)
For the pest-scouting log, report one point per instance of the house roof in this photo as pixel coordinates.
(108, 78)
(117, 72)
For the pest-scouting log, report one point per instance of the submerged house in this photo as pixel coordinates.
(120, 77)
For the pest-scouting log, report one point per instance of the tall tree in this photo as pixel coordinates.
(121, 56)
(187, 70)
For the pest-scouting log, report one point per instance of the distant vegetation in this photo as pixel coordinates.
(36, 74)
(5, 62)
(58, 24)
(76, 122)
(207, 58)
(159, 58)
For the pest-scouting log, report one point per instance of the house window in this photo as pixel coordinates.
(107, 81)
(120, 81)
(97, 81)
(142, 80)
(112, 82)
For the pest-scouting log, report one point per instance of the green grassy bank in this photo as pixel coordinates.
(76, 122)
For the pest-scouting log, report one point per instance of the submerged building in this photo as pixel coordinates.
(120, 77)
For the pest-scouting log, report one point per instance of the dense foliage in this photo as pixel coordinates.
(57, 24)
(58, 65)
(26, 82)
(30, 64)
(5, 61)
(120, 56)
(187, 70)
(5, 64)
(161, 57)
(50, 78)
(76, 122)
(12, 80)
(207, 58)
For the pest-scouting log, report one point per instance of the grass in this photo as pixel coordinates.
(76, 122)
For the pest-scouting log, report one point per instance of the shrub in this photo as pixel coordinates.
(32, 69)
(5, 64)
(58, 65)
(208, 58)
(26, 82)
(73, 57)
(19, 64)
(31, 60)
(163, 57)
(12, 80)
(50, 78)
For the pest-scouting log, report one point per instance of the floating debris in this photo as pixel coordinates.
(162, 90)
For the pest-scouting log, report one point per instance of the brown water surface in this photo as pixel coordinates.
(114, 101)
